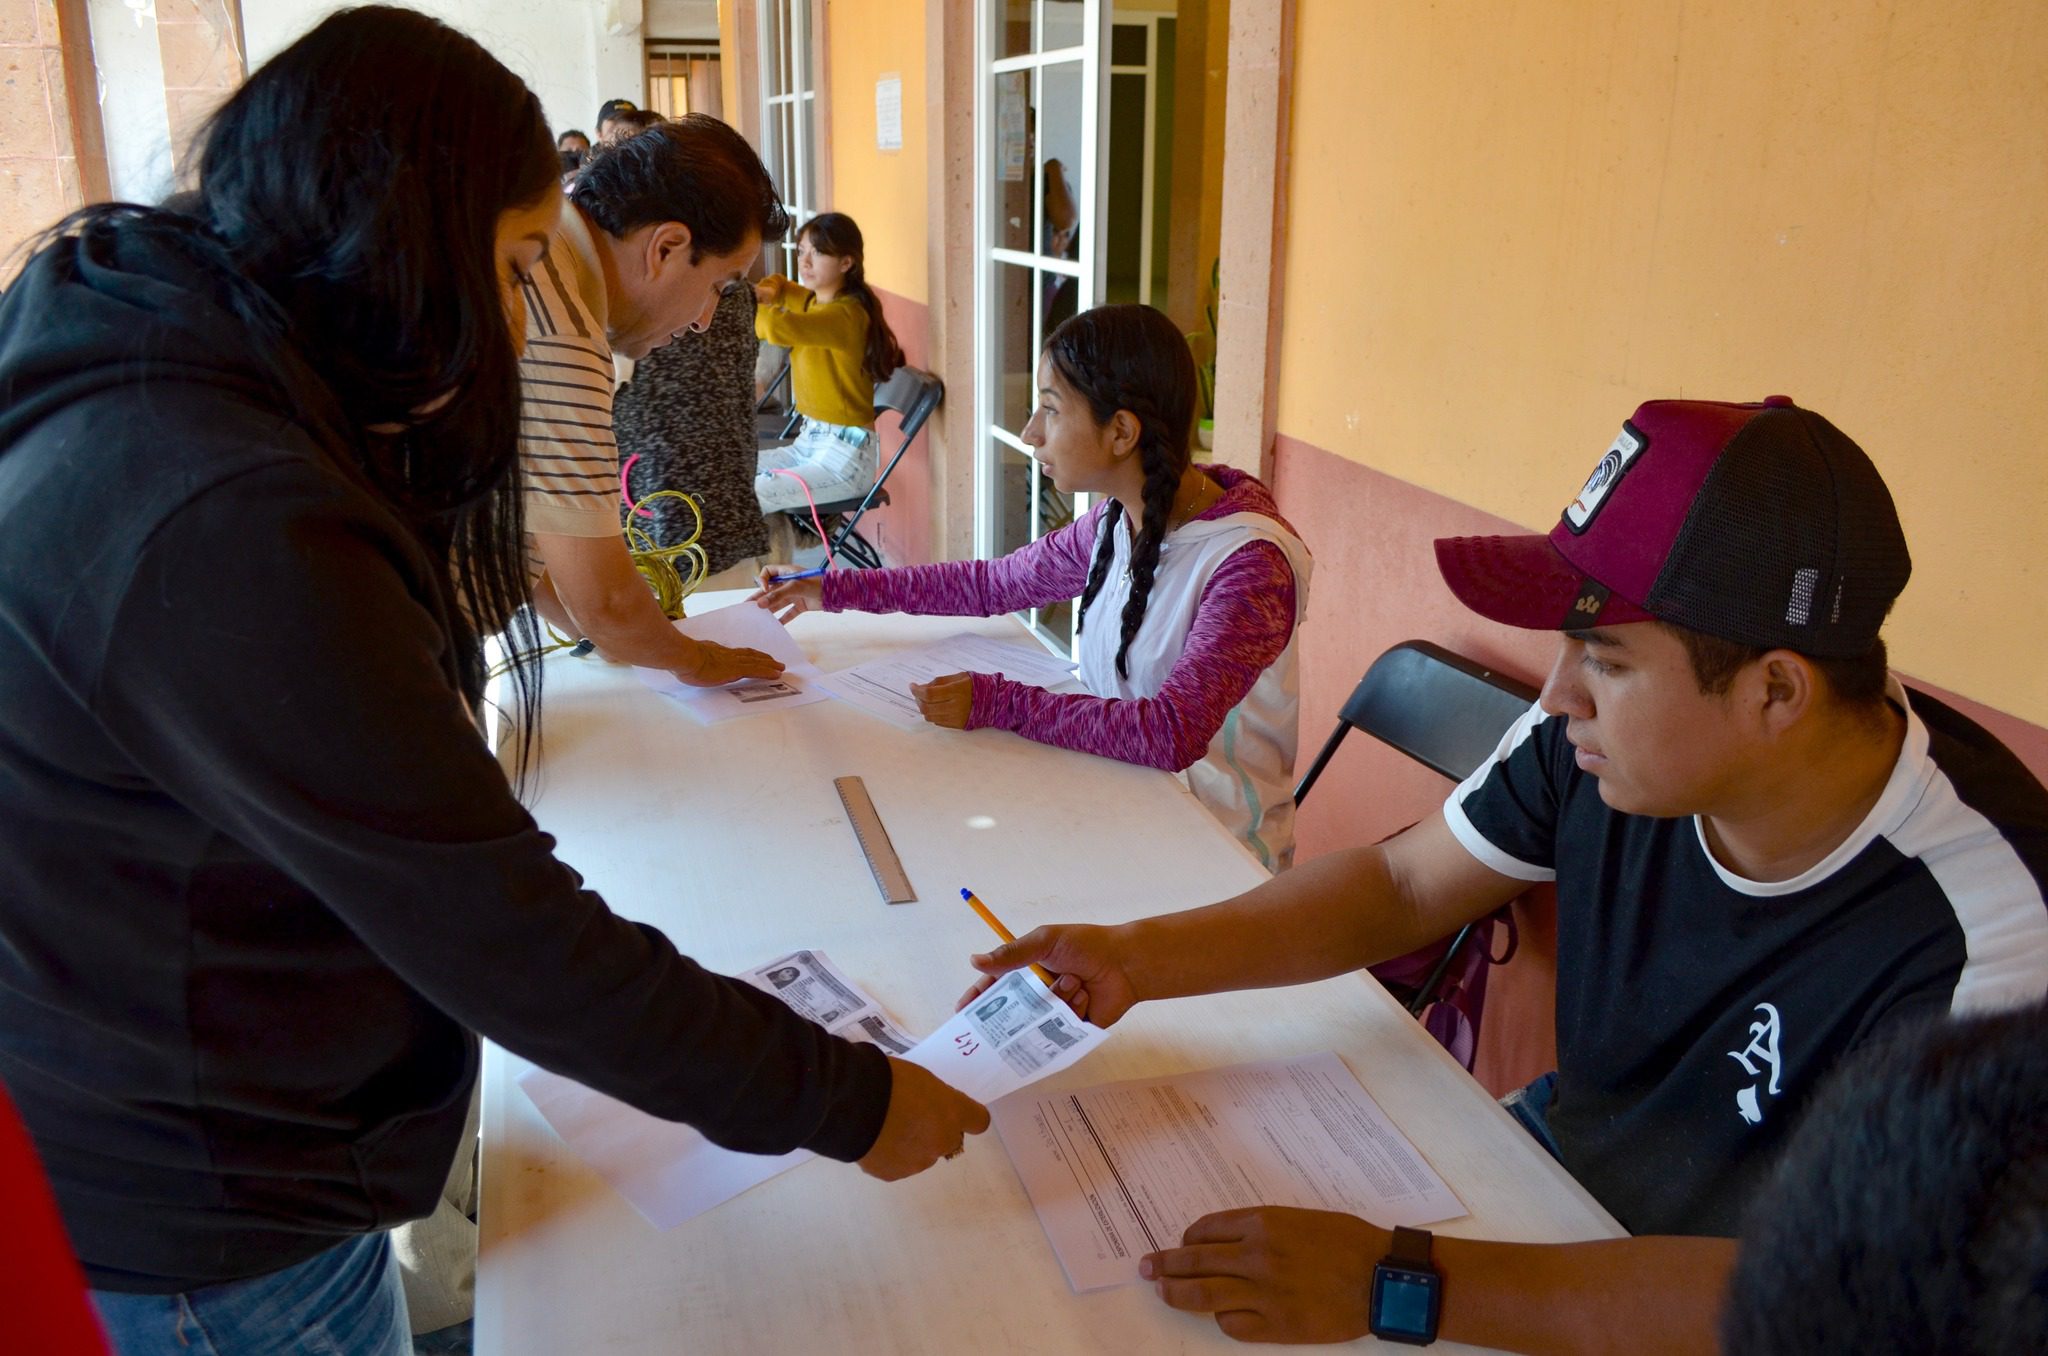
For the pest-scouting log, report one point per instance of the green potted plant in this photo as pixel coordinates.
(1203, 345)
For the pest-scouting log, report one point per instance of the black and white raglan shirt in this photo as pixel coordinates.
(1697, 1010)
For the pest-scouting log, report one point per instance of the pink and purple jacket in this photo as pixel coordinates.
(1244, 621)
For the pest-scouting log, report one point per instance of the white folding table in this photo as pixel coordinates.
(731, 839)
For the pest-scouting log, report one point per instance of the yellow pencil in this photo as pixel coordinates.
(996, 924)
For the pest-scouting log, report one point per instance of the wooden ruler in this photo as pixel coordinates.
(874, 840)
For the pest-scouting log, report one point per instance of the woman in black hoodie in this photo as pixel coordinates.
(260, 879)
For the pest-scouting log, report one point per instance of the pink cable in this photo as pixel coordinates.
(816, 521)
(626, 492)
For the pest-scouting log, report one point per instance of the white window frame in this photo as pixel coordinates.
(789, 83)
(1087, 270)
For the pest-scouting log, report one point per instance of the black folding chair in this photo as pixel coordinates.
(775, 416)
(912, 394)
(1444, 711)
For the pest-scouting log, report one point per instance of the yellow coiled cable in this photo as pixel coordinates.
(672, 572)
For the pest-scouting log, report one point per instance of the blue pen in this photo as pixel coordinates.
(807, 574)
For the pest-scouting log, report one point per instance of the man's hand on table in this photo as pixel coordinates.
(946, 700)
(927, 1121)
(718, 665)
(1274, 1273)
(1086, 962)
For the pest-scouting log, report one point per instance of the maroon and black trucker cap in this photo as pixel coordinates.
(1762, 524)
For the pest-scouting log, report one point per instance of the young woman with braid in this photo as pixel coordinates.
(840, 349)
(1192, 587)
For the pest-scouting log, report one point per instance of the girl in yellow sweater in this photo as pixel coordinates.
(840, 348)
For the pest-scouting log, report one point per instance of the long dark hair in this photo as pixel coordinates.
(835, 233)
(1132, 358)
(348, 198)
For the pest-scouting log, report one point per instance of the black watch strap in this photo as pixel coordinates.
(1411, 1248)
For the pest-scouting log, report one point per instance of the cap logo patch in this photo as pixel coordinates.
(1578, 515)
(1584, 613)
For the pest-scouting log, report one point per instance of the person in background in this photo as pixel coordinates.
(606, 112)
(573, 142)
(1192, 587)
(262, 883)
(655, 227)
(840, 348)
(1768, 854)
(628, 122)
(1910, 1210)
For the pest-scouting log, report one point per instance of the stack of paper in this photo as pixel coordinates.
(1121, 1170)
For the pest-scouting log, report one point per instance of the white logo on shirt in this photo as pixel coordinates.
(1763, 1045)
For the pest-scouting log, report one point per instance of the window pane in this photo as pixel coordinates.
(807, 157)
(1127, 45)
(777, 159)
(1012, 19)
(1059, 149)
(772, 41)
(1011, 194)
(1013, 497)
(1066, 21)
(1016, 355)
(800, 43)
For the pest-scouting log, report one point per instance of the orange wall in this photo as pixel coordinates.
(882, 190)
(1511, 224)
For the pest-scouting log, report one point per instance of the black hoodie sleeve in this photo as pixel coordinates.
(271, 665)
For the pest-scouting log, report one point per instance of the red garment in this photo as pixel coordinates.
(42, 1291)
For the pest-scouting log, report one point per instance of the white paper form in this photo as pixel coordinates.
(1121, 1170)
(742, 626)
(1014, 1034)
(668, 1171)
(881, 687)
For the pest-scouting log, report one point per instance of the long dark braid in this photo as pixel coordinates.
(835, 233)
(1131, 358)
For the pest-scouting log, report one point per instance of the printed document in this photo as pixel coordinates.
(881, 687)
(742, 626)
(1121, 1170)
(1013, 1035)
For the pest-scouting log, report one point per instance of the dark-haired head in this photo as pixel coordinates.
(357, 190)
(695, 170)
(1132, 360)
(685, 205)
(573, 140)
(836, 234)
(611, 108)
(629, 122)
(1910, 1210)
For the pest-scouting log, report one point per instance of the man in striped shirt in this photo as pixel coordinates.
(655, 228)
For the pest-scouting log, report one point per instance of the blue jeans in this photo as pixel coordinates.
(345, 1302)
(1530, 1106)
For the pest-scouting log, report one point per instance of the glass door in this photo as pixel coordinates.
(788, 120)
(1038, 167)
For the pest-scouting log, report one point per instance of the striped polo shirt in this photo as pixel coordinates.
(567, 454)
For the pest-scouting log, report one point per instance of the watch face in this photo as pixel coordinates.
(1404, 1303)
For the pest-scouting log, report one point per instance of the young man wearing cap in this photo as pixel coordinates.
(1767, 853)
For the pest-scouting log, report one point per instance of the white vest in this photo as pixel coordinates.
(1246, 779)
